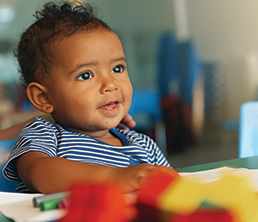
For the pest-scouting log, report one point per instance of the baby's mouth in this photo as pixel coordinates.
(110, 105)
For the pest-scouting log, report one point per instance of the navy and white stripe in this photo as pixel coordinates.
(55, 141)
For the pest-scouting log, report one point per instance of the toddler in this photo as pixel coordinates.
(73, 67)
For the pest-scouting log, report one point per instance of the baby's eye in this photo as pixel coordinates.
(118, 69)
(85, 76)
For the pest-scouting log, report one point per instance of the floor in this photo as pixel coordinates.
(214, 144)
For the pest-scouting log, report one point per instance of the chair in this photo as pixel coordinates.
(5, 148)
(146, 111)
(167, 59)
(146, 107)
(189, 70)
(248, 129)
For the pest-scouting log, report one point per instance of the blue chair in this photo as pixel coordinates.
(5, 148)
(146, 111)
(248, 129)
(189, 69)
(167, 59)
(145, 108)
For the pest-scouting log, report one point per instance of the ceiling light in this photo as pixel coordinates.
(7, 12)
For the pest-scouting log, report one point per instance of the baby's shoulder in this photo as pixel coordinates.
(39, 125)
(135, 136)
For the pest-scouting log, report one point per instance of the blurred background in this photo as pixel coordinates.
(192, 64)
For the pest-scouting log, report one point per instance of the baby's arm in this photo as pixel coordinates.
(45, 174)
(12, 132)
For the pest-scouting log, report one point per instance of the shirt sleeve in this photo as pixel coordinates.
(155, 154)
(40, 136)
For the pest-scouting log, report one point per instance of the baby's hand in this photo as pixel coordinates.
(134, 177)
(127, 122)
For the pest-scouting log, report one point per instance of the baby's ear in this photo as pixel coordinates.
(38, 96)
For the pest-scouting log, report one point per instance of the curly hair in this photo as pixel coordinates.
(54, 22)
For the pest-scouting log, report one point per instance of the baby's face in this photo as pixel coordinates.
(89, 86)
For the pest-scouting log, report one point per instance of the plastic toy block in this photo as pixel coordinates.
(247, 208)
(97, 203)
(230, 190)
(184, 197)
(148, 196)
(151, 214)
(204, 215)
(159, 180)
(230, 199)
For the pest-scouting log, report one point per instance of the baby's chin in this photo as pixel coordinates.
(113, 122)
(113, 125)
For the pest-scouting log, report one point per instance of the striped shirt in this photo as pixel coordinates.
(56, 141)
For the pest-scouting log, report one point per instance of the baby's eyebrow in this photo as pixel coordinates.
(122, 59)
(79, 66)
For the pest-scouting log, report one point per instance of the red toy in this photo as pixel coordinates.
(98, 203)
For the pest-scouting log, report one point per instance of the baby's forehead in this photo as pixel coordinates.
(62, 42)
(86, 46)
(65, 39)
(96, 36)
